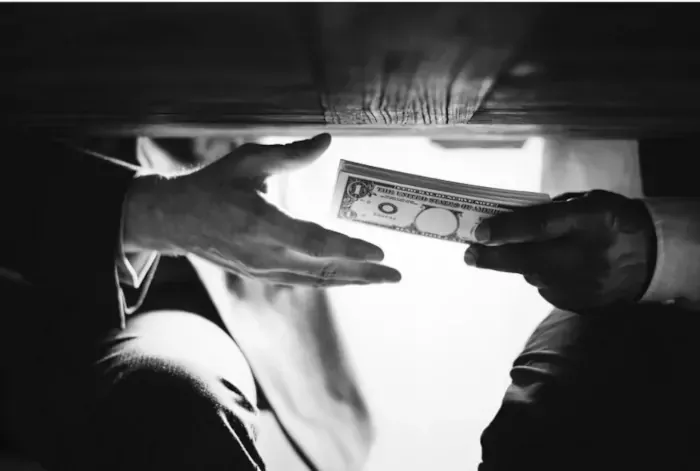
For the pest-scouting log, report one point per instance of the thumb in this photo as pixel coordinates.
(256, 160)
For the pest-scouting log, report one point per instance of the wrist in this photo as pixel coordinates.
(146, 219)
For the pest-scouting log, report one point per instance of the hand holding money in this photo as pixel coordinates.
(420, 205)
(582, 251)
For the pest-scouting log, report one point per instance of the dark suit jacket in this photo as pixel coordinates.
(61, 217)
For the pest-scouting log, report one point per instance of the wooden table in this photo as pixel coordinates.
(446, 70)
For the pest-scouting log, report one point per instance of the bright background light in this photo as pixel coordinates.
(433, 352)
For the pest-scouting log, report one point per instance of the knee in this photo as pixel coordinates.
(158, 385)
(180, 417)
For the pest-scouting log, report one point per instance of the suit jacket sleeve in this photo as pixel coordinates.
(676, 277)
(61, 224)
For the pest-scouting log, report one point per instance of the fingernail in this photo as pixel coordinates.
(470, 257)
(482, 232)
(395, 277)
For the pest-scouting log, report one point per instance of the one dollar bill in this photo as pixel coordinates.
(420, 205)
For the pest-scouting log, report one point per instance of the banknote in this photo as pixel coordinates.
(419, 205)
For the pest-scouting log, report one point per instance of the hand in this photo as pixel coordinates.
(582, 251)
(219, 214)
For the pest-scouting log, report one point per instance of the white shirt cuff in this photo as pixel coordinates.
(132, 268)
(676, 277)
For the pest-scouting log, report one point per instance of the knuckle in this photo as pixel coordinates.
(328, 271)
(314, 247)
(484, 255)
(320, 283)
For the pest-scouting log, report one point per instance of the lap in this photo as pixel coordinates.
(168, 371)
(611, 391)
(178, 341)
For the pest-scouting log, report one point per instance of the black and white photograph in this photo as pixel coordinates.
(349, 236)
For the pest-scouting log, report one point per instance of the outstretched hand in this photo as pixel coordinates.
(219, 214)
(582, 251)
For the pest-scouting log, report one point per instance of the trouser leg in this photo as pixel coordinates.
(171, 392)
(614, 391)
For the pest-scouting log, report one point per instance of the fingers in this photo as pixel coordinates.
(341, 272)
(285, 266)
(362, 271)
(535, 223)
(544, 259)
(254, 160)
(317, 241)
(295, 279)
(515, 258)
(296, 269)
(569, 196)
(564, 276)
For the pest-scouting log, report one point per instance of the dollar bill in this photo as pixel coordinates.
(419, 205)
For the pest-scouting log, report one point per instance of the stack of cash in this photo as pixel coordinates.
(420, 205)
